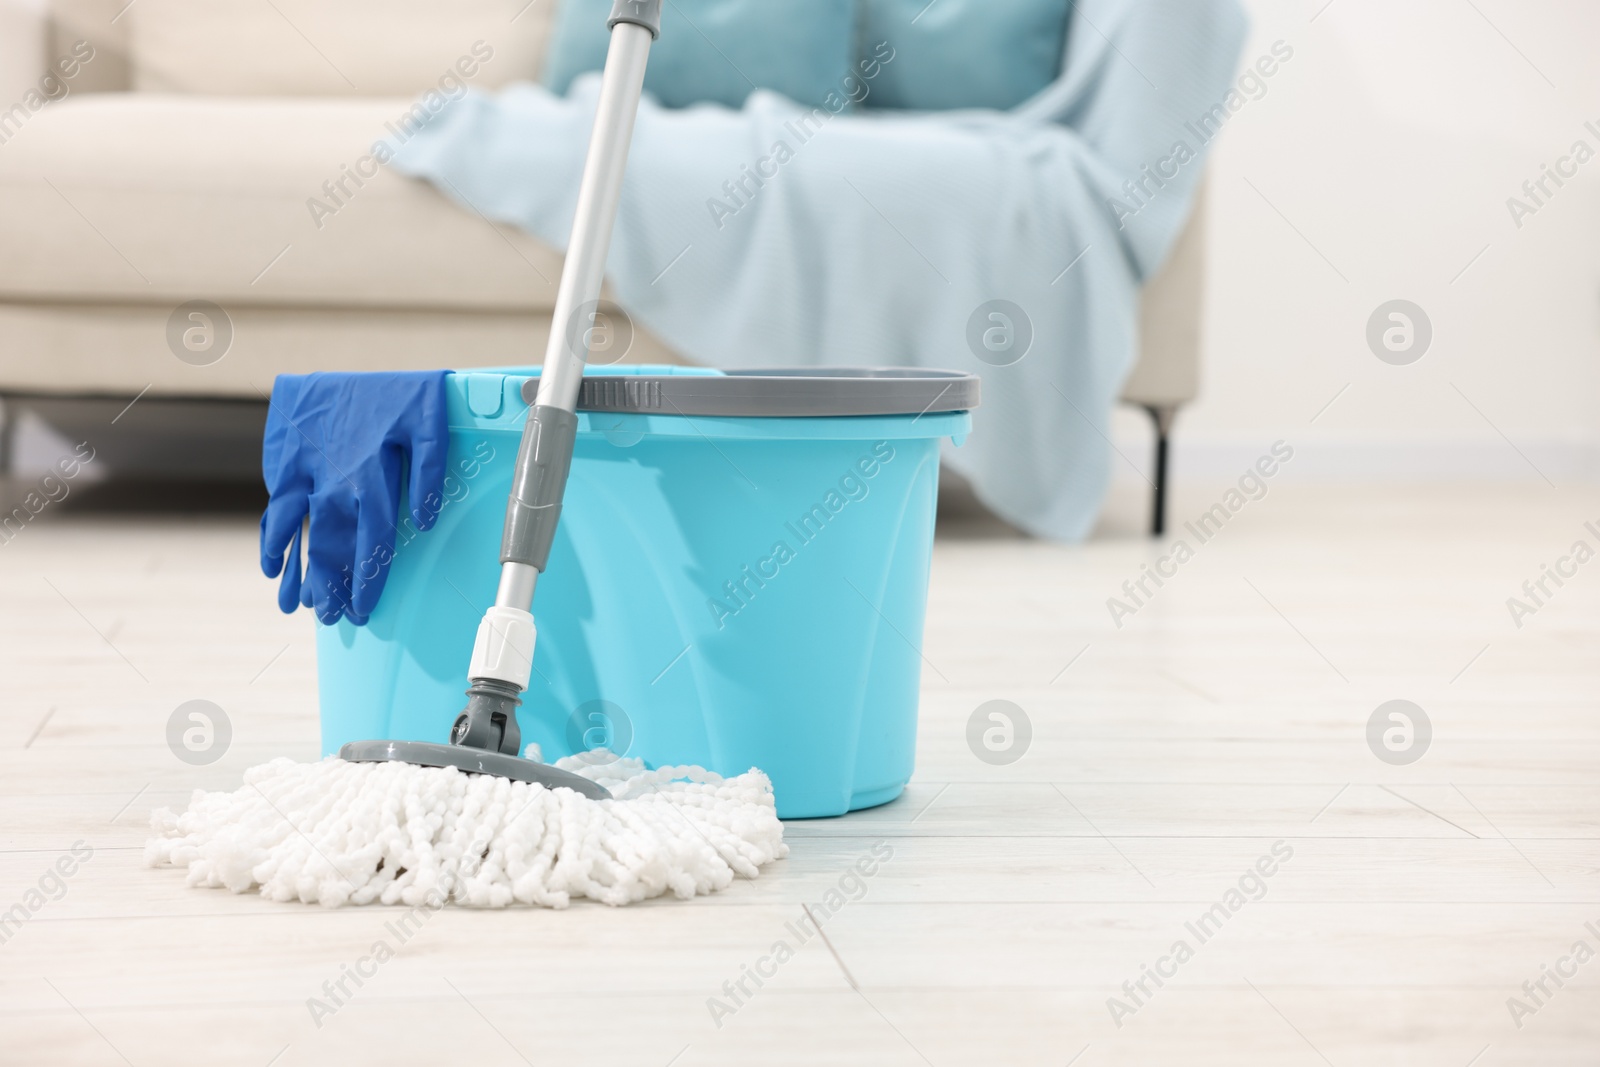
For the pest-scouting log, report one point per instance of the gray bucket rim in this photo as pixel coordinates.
(782, 392)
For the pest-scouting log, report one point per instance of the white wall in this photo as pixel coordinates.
(1391, 141)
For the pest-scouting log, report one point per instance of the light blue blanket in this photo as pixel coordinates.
(773, 236)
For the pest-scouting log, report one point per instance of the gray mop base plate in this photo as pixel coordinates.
(473, 761)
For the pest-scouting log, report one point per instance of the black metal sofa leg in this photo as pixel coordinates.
(1162, 418)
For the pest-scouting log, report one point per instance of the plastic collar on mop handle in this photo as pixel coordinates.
(543, 459)
(646, 13)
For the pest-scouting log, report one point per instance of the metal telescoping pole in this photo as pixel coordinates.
(547, 437)
(502, 653)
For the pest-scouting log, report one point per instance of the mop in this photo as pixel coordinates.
(476, 821)
(341, 832)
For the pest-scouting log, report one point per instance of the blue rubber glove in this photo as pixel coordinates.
(337, 448)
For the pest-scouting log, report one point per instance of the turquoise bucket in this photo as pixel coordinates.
(732, 591)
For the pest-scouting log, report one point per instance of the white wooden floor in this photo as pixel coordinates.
(1227, 715)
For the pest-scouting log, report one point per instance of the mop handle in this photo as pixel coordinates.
(545, 454)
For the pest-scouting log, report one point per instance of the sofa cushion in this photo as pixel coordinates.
(97, 23)
(121, 350)
(964, 53)
(337, 48)
(150, 198)
(719, 51)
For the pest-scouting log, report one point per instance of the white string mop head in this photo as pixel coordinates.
(336, 832)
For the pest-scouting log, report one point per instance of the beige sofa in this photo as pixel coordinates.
(177, 164)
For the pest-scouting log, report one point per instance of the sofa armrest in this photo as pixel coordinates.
(24, 33)
(1167, 373)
